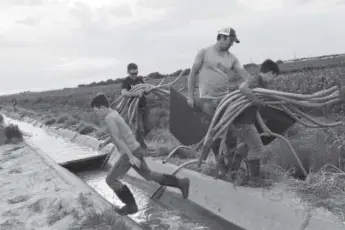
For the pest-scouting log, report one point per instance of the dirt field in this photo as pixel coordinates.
(33, 196)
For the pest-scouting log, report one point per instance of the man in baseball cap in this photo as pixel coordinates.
(230, 32)
(214, 66)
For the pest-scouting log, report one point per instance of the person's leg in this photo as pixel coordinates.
(209, 106)
(2, 135)
(230, 161)
(122, 191)
(252, 139)
(146, 122)
(140, 133)
(160, 178)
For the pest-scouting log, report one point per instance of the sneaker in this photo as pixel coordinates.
(184, 186)
(127, 209)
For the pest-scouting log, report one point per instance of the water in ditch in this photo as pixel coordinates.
(151, 215)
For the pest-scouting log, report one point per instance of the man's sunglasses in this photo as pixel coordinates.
(133, 73)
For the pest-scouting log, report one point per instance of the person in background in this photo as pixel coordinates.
(2, 131)
(214, 65)
(14, 103)
(132, 155)
(142, 116)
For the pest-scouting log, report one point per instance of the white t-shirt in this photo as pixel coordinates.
(215, 75)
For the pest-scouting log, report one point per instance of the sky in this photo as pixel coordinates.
(51, 44)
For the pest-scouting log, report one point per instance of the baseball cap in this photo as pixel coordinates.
(228, 31)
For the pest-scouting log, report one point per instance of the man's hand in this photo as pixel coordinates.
(191, 102)
(135, 161)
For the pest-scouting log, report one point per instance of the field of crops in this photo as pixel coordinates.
(71, 106)
(69, 100)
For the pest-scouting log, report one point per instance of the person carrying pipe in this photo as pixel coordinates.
(142, 116)
(214, 65)
(132, 155)
(269, 70)
(14, 103)
(2, 131)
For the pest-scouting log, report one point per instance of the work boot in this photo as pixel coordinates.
(126, 196)
(184, 187)
(234, 166)
(173, 181)
(254, 168)
(127, 209)
(255, 179)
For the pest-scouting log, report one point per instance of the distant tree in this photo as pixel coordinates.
(118, 80)
(280, 62)
(250, 65)
(187, 71)
(110, 81)
(176, 73)
(155, 75)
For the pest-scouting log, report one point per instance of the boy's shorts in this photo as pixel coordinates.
(123, 165)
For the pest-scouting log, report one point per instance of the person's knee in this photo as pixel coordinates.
(147, 175)
(114, 183)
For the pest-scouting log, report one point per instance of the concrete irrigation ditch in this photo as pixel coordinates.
(248, 208)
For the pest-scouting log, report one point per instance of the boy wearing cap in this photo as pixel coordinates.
(132, 155)
(213, 65)
(142, 116)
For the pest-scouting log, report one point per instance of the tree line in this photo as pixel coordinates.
(157, 75)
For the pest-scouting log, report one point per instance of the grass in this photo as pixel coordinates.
(12, 134)
(324, 188)
(317, 148)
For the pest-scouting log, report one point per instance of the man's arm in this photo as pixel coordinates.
(116, 136)
(193, 72)
(239, 69)
(246, 86)
(249, 82)
(125, 92)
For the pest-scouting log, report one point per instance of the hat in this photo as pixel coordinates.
(228, 31)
